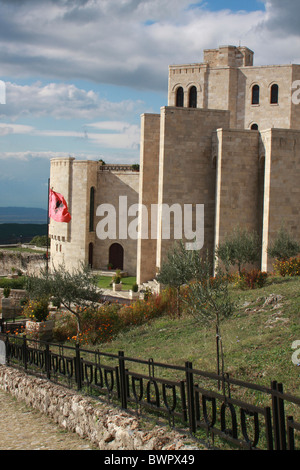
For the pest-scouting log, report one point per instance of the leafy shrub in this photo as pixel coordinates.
(17, 283)
(135, 287)
(248, 279)
(65, 327)
(6, 292)
(40, 240)
(284, 246)
(240, 248)
(99, 326)
(117, 277)
(36, 310)
(255, 278)
(290, 267)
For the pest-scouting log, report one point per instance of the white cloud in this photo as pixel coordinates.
(128, 42)
(6, 129)
(124, 136)
(61, 101)
(46, 155)
(118, 135)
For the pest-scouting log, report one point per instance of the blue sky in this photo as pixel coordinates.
(79, 73)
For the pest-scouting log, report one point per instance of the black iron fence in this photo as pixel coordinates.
(218, 408)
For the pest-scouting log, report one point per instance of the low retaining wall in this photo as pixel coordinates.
(26, 262)
(107, 427)
(15, 294)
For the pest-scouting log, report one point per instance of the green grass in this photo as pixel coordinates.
(257, 339)
(127, 282)
(18, 249)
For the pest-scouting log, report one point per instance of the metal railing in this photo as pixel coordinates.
(221, 408)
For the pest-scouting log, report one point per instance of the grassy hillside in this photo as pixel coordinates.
(257, 338)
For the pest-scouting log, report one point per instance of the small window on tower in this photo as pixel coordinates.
(254, 127)
(255, 94)
(179, 97)
(193, 97)
(274, 94)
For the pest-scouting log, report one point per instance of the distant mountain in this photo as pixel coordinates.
(20, 233)
(22, 215)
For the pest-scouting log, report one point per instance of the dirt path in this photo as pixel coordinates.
(23, 428)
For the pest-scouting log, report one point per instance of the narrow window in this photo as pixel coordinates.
(274, 94)
(193, 97)
(91, 254)
(255, 94)
(179, 97)
(254, 127)
(92, 208)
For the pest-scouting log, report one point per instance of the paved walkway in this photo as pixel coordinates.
(23, 428)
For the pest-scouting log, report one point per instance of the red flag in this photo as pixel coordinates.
(58, 209)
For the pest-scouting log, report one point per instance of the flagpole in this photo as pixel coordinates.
(47, 254)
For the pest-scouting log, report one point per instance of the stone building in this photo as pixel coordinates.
(229, 141)
(86, 185)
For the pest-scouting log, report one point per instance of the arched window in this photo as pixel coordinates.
(179, 97)
(116, 256)
(274, 94)
(254, 127)
(193, 97)
(255, 94)
(92, 208)
(91, 254)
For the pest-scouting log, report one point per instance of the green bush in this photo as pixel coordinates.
(254, 278)
(40, 240)
(135, 287)
(6, 292)
(36, 310)
(290, 267)
(17, 283)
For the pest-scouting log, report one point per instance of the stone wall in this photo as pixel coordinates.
(237, 195)
(148, 194)
(186, 171)
(28, 263)
(107, 427)
(281, 186)
(77, 242)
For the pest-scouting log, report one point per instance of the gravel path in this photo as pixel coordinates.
(23, 428)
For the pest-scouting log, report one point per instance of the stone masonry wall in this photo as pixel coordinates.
(26, 262)
(107, 427)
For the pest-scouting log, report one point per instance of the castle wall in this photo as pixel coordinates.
(281, 189)
(187, 76)
(186, 171)
(61, 180)
(111, 185)
(201, 155)
(70, 242)
(237, 182)
(225, 81)
(148, 195)
(295, 97)
(265, 114)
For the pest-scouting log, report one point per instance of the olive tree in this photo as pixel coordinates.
(283, 246)
(72, 289)
(239, 248)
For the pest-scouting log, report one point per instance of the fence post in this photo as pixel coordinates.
(123, 380)
(278, 417)
(25, 352)
(190, 396)
(7, 348)
(282, 430)
(47, 361)
(78, 368)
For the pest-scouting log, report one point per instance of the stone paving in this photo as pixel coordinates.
(23, 428)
